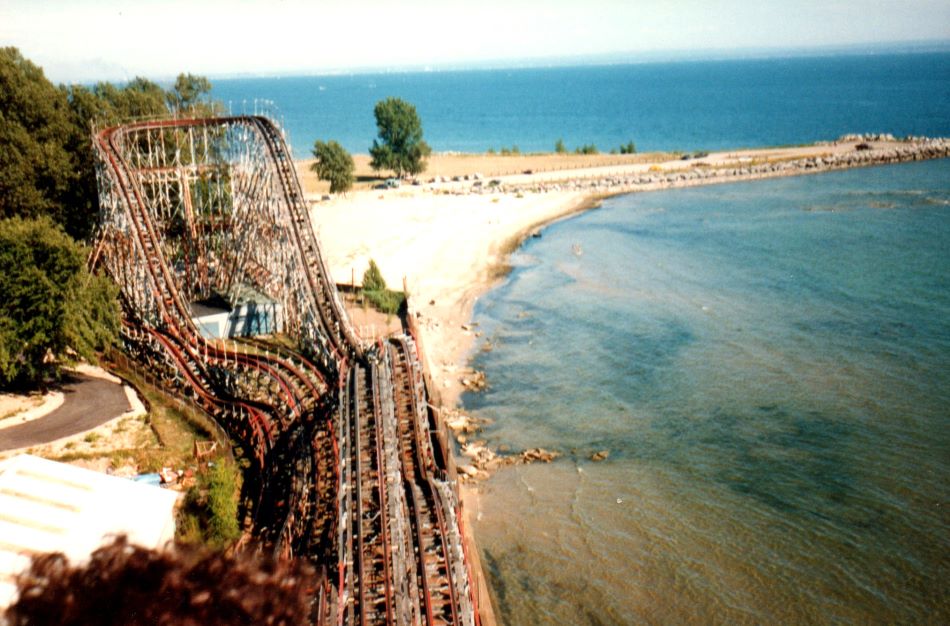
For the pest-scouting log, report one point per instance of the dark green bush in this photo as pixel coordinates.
(376, 293)
(386, 300)
(372, 278)
(628, 148)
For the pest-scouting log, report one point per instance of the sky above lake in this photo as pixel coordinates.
(79, 40)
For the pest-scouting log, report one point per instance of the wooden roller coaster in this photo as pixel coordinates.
(346, 468)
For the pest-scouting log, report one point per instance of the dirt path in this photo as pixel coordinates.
(88, 402)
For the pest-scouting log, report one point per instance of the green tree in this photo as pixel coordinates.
(46, 160)
(559, 146)
(38, 167)
(376, 293)
(628, 148)
(51, 306)
(191, 95)
(101, 106)
(106, 104)
(334, 164)
(400, 147)
(373, 278)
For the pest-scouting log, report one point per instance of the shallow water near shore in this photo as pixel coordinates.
(768, 364)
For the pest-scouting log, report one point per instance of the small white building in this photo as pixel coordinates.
(249, 313)
(47, 506)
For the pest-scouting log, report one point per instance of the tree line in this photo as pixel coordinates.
(51, 309)
(399, 147)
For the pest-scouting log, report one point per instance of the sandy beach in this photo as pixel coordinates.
(449, 239)
(448, 248)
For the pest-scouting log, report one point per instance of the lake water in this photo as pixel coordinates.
(660, 106)
(768, 365)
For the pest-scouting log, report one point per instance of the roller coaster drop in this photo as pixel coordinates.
(346, 469)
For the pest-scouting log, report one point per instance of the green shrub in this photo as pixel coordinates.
(334, 164)
(628, 148)
(375, 291)
(385, 300)
(587, 149)
(559, 147)
(372, 278)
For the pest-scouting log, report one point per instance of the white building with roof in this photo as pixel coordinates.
(46, 506)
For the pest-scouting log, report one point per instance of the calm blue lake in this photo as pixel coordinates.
(660, 106)
(768, 363)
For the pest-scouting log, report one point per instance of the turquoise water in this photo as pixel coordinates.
(661, 106)
(768, 364)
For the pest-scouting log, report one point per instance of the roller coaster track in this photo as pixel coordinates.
(436, 583)
(346, 470)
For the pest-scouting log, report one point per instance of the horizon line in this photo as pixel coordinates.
(615, 58)
(585, 60)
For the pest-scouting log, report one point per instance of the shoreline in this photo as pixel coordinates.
(450, 242)
(442, 311)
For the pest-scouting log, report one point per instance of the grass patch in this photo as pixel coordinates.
(210, 508)
(386, 300)
(144, 459)
(175, 426)
(209, 514)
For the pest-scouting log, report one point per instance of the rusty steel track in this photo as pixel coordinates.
(345, 469)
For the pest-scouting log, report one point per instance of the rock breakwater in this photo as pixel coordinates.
(706, 172)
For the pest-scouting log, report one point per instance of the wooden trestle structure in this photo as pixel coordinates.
(346, 468)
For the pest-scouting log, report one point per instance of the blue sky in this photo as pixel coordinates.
(79, 40)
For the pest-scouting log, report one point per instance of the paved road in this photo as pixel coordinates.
(88, 402)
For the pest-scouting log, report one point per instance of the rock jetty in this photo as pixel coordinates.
(700, 172)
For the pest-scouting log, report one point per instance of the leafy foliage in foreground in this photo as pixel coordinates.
(51, 305)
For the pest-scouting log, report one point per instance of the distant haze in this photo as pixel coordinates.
(79, 41)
